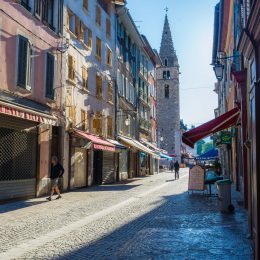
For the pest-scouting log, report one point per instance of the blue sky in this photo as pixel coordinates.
(191, 23)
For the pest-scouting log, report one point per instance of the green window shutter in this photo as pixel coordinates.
(22, 61)
(49, 81)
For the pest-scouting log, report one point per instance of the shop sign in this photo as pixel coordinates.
(196, 179)
(225, 137)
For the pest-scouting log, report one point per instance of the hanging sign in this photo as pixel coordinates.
(196, 178)
(225, 137)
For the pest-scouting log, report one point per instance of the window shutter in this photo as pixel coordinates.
(77, 29)
(50, 76)
(81, 34)
(85, 4)
(22, 61)
(45, 11)
(94, 123)
(68, 100)
(89, 38)
(73, 68)
(68, 20)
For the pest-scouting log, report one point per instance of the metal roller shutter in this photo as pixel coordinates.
(108, 168)
(18, 156)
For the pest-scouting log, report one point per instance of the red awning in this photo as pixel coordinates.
(218, 124)
(98, 143)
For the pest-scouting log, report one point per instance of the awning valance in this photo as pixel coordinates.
(165, 156)
(98, 142)
(137, 145)
(218, 124)
(151, 146)
(116, 143)
(210, 155)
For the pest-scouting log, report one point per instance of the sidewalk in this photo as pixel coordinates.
(148, 218)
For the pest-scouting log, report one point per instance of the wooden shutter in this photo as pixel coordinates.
(89, 38)
(45, 11)
(37, 9)
(77, 26)
(49, 76)
(68, 20)
(23, 50)
(71, 67)
(68, 100)
(84, 120)
(81, 34)
(84, 77)
(72, 114)
(108, 27)
(85, 4)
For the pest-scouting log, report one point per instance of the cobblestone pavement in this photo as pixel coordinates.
(146, 218)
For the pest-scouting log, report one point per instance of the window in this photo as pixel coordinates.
(166, 91)
(86, 36)
(98, 48)
(109, 127)
(84, 78)
(72, 115)
(109, 57)
(110, 92)
(98, 86)
(25, 4)
(85, 4)
(71, 68)
(164, 74)
(97, 124)
(71, 22)
(98, 16)
(105, 4)
(108, 28)
(24, 63)
(44, 10)
(49, 80)
(168, 74)
(84, 120)
(165, 62)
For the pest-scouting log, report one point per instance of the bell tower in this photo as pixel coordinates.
(168, 101)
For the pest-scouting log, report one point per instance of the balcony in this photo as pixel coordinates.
(145, 124)
(144, 97)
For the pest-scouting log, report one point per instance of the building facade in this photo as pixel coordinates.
(78, 82)
(168, 101)
(236, 47)
(132, 99)
(89, 92)
(31, 96)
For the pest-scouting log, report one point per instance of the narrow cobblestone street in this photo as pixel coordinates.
(145, 218)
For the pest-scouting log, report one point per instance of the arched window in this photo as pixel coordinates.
(165, 62)
(164, 74)
(166, 91)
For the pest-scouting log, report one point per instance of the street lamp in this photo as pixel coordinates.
(219, 70)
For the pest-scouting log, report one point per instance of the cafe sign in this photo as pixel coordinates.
(225, 137)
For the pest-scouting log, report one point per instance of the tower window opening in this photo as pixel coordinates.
(165, 62)
(166, 91)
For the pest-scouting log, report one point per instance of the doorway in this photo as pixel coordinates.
(97, 169)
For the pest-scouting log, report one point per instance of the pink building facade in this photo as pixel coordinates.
(30, 95)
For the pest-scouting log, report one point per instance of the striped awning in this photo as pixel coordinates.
(137, 145)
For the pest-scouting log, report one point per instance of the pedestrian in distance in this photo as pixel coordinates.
(176, 169)
(56, 172)
(171, 165)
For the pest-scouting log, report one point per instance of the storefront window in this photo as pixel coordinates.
(143, 160)
(123, 161)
